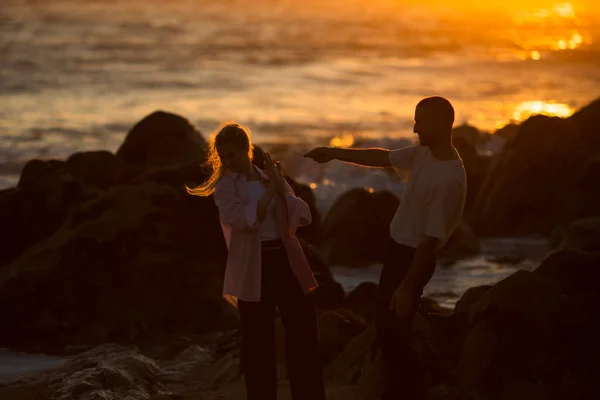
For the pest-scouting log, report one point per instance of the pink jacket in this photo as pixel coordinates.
(238, 220)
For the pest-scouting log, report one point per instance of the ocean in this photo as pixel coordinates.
(76, 76)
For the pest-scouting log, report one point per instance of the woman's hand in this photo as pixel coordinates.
(275, 174)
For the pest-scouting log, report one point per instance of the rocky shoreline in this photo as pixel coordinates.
(108, 259)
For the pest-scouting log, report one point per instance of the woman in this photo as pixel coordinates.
(266, 267)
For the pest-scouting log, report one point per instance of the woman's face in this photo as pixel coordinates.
(233, 158)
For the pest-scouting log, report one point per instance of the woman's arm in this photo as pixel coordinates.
(298, 212)
(263, 203)
(233, 212)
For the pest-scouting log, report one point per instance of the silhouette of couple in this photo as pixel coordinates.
(267, 269)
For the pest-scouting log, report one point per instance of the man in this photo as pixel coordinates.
(431, 208)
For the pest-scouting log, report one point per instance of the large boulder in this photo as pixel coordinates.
(582, 235)
(336, 329)
(467, 139)
(522, 174)
(99, 169)
(356, 229)
(362, 300)
(523, 330)
(462, 243)
(352, 362)
(470, 297)
(163, 140)
(37, 207)
(576, 273)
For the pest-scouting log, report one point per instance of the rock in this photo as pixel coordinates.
(508, 132)
(48, 190)
(106, 372)
(524, 330)
(228, 369)
(522, 174)
(544, 304)
(356, 229)
(336, 329)
(329, 294)
(555, 238)
(462, 243)
(163, 140)
(36, 209)
(449, 333)
(347, 367)
(576, 273)
(470, 297)
(466, 139)
(370, 381)
(587, 188)
(100, 169)
(588, 118)
(362, 300)
(466, 132)
(35, 171)
(476, 359)
(121, 267)
(582, 235)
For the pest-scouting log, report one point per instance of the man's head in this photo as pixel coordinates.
(434, 117)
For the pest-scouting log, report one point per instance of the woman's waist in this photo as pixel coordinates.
(271, 244)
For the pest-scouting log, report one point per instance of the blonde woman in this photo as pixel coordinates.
(266, 266)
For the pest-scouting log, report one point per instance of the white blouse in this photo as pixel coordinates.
(268, 228)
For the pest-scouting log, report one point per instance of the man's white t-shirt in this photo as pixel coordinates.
(434, 198)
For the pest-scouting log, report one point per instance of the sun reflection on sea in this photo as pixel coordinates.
(556, 28)
(346, 140)
(506, 113)
(529, 108)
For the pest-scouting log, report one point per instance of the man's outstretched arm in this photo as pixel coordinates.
(366, 157)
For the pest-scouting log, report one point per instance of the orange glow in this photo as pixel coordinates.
(554, 28)
(345, 140)
(529, 108)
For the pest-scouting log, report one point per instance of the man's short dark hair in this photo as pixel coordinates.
(441, 107)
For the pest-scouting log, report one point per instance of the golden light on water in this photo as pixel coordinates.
(529, 108)
(556, 28)
(345, 140)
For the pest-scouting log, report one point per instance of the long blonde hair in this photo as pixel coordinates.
(227, 133)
